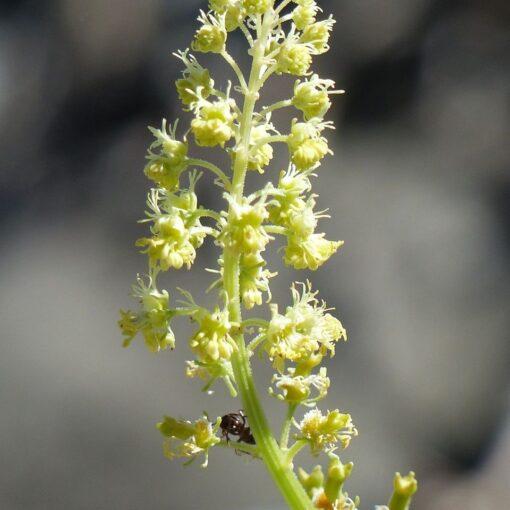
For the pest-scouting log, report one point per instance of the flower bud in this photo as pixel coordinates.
(213, 124)
(170, 427)
(313, 481)
(294, 59)
(337, 474)
(204, 434)
(404, 488)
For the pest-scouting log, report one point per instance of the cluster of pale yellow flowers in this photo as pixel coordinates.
(283, 37)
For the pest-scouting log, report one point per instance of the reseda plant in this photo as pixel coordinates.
(282, 37)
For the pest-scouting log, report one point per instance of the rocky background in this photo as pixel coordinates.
(419, 188)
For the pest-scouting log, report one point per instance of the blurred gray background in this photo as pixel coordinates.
(419, 188)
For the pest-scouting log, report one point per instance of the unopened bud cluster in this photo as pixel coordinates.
(284, 36)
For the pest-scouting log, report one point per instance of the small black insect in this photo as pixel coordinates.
(235, 424)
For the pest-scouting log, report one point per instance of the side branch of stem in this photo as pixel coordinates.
(213, 168)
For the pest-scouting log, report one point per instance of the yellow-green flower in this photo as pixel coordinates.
(312, 97)
(243, 227)
(214, 123)
(173, 150)
(211, 36)
(196, 82)
(233, 11)
(254, 279)
(294, 58)
(161, 172)
(306, 146)
(324, 432)
(171, 252)
(297, 389)
(302, 222)
(305, 330)
(310, 252)
(304, 14)
(260, 155)
(152, 321)
(289, 196)
(168, 157)
(176, 230)
(209, 372)
(317, 36)
(254, 7)
(213, 342)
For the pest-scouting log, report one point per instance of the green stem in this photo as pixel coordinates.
(284, 440)
(235, 68)
(295, 449)
(273, 457)
(213, 168)
(256, 342)
(276, 106)
(247, 34)
(270, 139)
(282, 6)
(275, 229)
(250, 323)
(207, 213)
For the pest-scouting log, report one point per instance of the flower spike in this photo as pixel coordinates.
(283, 37)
